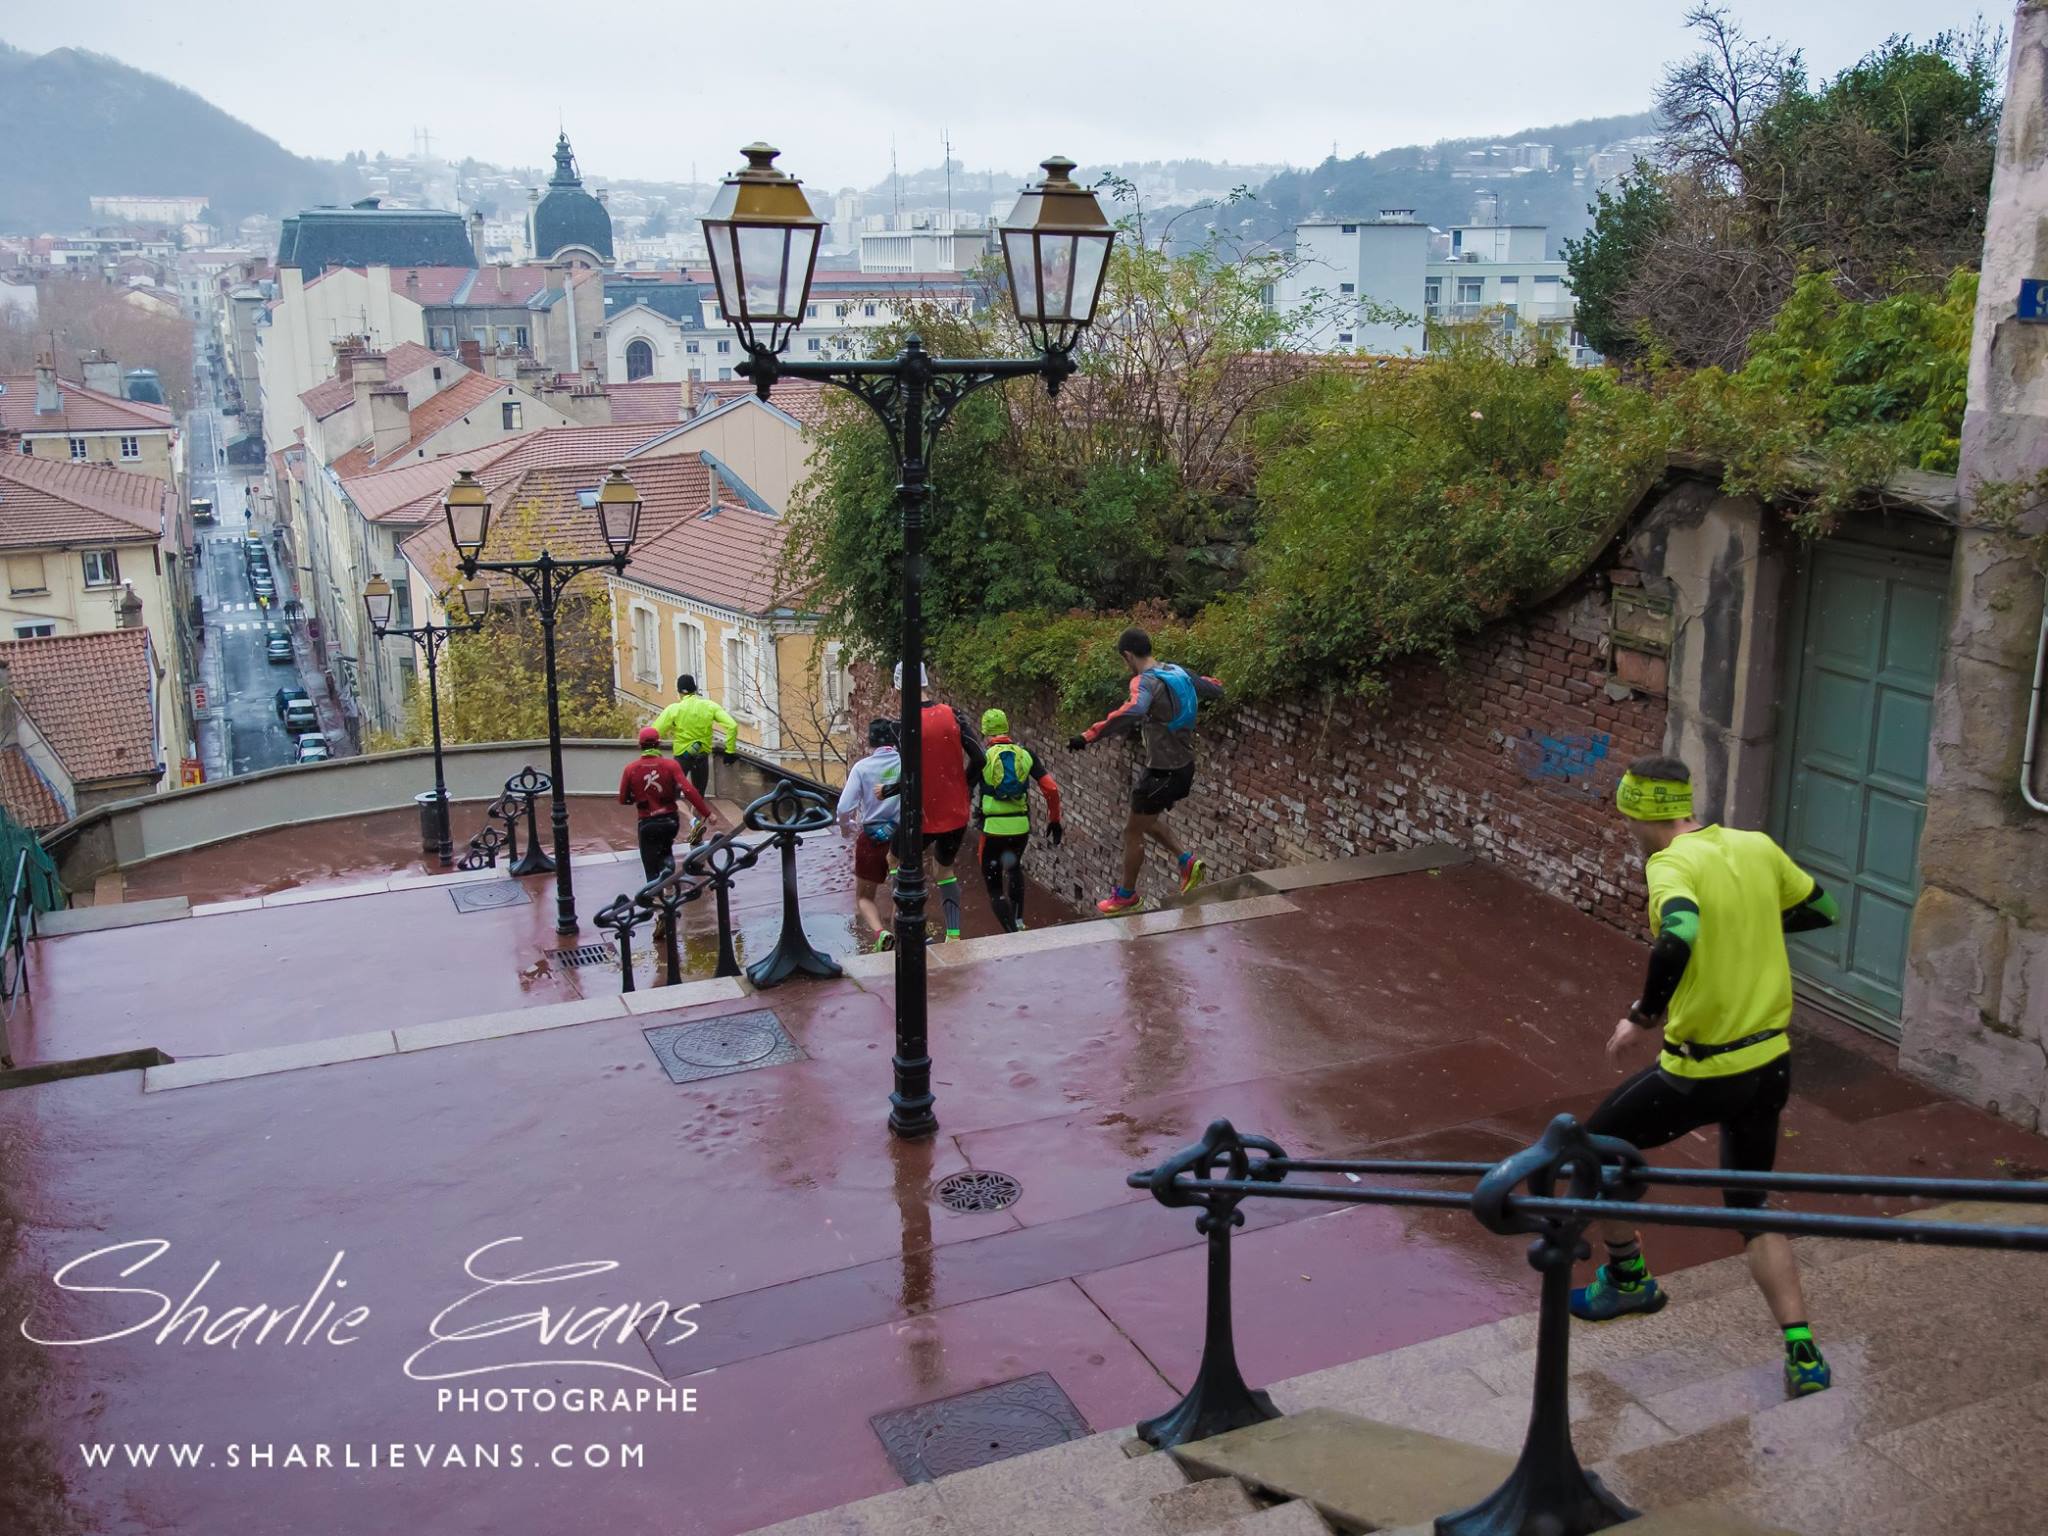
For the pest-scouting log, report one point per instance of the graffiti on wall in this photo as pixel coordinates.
(1568, 762)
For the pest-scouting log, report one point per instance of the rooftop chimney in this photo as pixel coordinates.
(100, 372)
(476, 234)
(471, 351)
(49, 398)
(1397, 215)
(390, 420)
(127, 608)
(499, 268)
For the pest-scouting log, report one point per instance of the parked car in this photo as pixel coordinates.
(300, 717)
(312, 748)
(286, 696)
(277, 650)
(264, 588)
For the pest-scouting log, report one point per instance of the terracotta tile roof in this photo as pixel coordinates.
(54, 501)
(801, 398)
(27, 795)
(729, 555)
(391, 495)
(430, 416)
(645, 400)
(335, 394)
(670, 490)
(512, 457)
(85, 410)
(89, 696)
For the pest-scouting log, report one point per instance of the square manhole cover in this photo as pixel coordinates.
(486, 895)
(737, 1042)
(995, 1423)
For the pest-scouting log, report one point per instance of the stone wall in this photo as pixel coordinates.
(1976, 1004)
(1512, 752)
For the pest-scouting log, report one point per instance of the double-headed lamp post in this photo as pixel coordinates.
(618, 522)
(763, 237)
(475, 600)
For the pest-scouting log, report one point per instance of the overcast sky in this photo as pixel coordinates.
(648, 89)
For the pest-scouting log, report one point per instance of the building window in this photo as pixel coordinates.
(646, 647)
(836, 684)
(1344, 338)
(1471, 289)
(690, 649)
(742, 686)
(810, 311)
(511, 410)
(444, 338)
(640, 360)
(25, 448)
(689, 346)
(520, 335)
(504, 335)
(725, 346)
(813, 343)
(839, 311)
(78, 448)
(101, 570)
(25, 574)
(725, 373)
(1347, 287)
(34, 631)
(131, 447)
(868, 310)
(1350, 229)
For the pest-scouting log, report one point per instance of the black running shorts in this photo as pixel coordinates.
(1158, 790)
(1654, 1109)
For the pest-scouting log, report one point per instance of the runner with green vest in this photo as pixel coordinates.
(1004, 810)
(687, 725)
(1718, 997)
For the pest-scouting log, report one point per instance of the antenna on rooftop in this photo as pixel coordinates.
(895, 182)
(946, 159)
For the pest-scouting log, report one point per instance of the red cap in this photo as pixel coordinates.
(649, 736)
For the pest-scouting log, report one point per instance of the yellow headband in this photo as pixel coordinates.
(1653, 799)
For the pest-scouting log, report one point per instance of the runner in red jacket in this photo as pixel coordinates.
(657, 786)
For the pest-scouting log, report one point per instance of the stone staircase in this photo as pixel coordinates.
(1938, 1422)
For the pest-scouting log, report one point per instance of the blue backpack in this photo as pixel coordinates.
(1182, 687)
(1009, 787)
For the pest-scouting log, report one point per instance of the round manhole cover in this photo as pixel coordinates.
(976, 1190)
(725, 1043)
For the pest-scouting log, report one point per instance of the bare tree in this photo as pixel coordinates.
(1711, 101)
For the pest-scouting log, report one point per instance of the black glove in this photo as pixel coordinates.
(1057, 833)
(731, 751)
(1076, 743)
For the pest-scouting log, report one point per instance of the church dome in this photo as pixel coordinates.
(567, 215)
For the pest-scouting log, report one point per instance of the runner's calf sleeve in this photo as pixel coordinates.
(949, 898)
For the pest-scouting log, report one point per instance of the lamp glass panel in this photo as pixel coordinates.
(467, 523)
(1019, 248)
(1091, 254)
(724, 266)
(1056, 274)
(764, 253)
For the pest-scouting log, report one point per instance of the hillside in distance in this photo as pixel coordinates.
(81, 124)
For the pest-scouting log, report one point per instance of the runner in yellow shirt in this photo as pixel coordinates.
(687, 725)
(1719, 995)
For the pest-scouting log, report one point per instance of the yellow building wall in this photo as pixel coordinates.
(105, 448)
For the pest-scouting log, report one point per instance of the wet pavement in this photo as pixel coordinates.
(830, 1286)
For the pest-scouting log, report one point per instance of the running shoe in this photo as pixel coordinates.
(884, 942)
(698, 828)
(1118, 900)
(1192, 872)
(1607, 1298)
(1805, 1371)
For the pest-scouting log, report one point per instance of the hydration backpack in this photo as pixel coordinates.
(1182, 688)
(1009, 786)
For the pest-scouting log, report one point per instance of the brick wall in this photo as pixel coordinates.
(1512, 753)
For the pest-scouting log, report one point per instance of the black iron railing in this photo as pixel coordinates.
(785, 814)
(21, 926)
(1601, 1178)
(500, 834)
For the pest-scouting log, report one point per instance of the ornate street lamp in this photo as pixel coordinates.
(476, 606)
(468, 510)
(763, 237)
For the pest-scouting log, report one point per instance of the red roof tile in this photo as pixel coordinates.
(802, 398)
(728, 555)
(337, 393)
(27, 794)
(47, 502)
(430, 416)
(645, 400)
(392, 495)
(89, 696)
(85, 410)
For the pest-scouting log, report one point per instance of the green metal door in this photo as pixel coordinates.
(1855, 789)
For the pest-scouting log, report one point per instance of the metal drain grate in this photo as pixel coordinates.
(976, 1428)
(977, 1190)
(588, 954)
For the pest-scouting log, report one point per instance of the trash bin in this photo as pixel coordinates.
(430, 822)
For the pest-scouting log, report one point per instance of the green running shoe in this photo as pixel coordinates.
(1805, 1371)
(1607, 1298)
